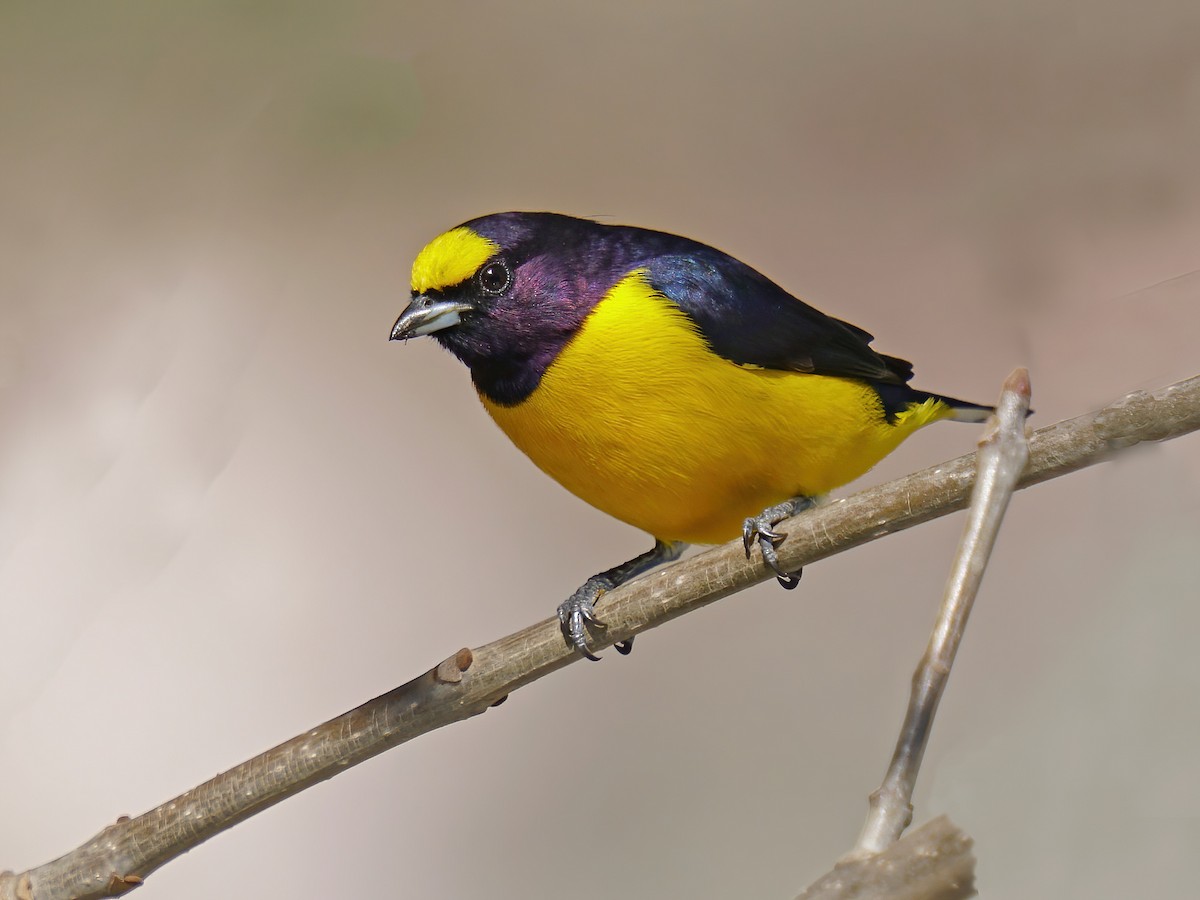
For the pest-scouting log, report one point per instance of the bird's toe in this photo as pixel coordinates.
(761, 529)
(578, 613)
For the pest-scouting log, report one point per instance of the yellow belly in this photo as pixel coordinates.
(640, 419)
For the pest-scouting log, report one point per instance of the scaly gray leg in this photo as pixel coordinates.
(762, 528)
(578, 612)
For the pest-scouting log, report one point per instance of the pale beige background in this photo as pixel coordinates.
(229, 509)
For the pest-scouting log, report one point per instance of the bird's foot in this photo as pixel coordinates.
(761, 528)
(577, 614)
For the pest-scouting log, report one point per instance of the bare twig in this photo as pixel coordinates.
(124, 853)
(1002, 455)
(933, 862)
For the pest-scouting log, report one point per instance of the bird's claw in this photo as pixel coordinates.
(578, 613)
(760, 529)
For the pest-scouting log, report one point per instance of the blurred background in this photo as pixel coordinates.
(230, 510)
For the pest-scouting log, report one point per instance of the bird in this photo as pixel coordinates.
(662, 381)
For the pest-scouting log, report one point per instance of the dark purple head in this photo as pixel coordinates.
(506, 292)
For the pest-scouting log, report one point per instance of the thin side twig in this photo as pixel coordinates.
(123, 854)
(1003, 453)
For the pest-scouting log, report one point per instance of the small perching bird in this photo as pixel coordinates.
(661, 380)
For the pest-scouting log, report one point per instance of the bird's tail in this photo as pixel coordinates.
(897, 398)
(965, 411)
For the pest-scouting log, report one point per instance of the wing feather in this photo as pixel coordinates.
(750, 320)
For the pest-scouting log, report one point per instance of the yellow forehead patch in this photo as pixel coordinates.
(451, 259)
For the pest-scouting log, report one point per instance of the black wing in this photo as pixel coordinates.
(748, 319)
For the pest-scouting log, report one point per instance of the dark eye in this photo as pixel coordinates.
(495, 277)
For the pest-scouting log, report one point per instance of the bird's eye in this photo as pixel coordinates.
(495, 277)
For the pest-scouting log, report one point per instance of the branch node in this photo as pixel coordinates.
(934, 861)
(122, 884)
(450, 670)
(1129, 421)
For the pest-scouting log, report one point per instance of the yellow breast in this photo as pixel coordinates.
(638, 417)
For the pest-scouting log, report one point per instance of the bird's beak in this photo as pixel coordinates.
(425, 316)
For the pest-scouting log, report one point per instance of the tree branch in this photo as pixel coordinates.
(1003, 453)
(933, 862)
(465, 685)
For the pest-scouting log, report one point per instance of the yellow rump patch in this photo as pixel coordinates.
(451, 259)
